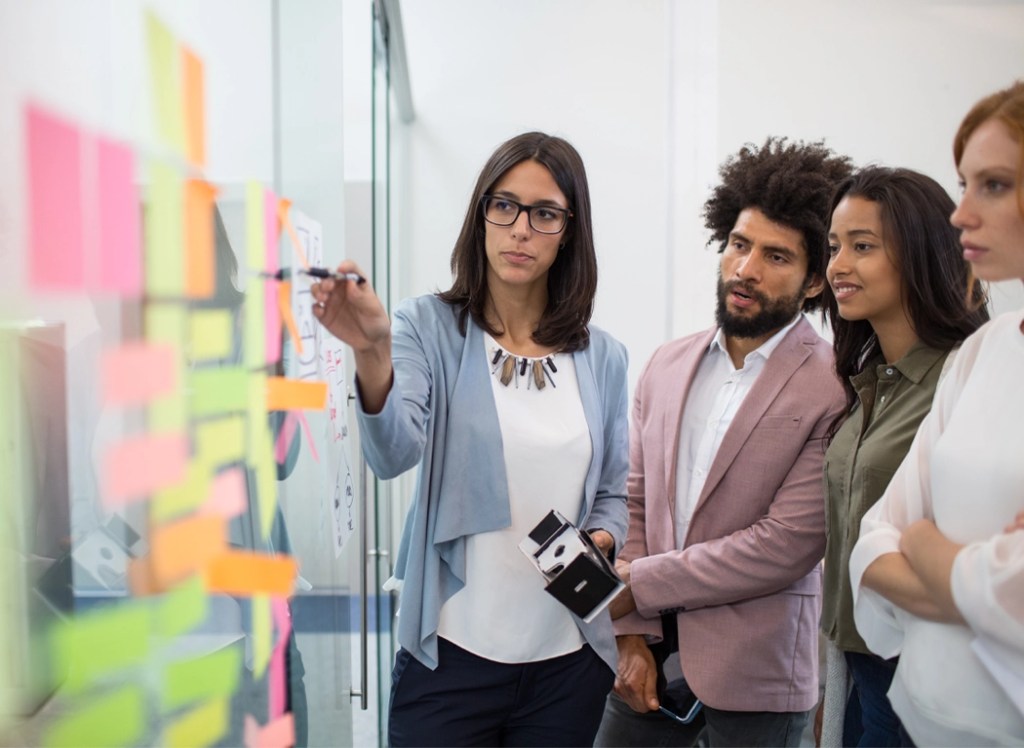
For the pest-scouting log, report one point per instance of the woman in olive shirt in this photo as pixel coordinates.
(900, 296)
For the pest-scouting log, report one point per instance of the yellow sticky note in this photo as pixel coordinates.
(164, 68)
(221, 441)
(165, 324)
(219, 390)
(113, 719)
(200, 727)
(96, 643)
(202, 678)
(266, 485)
(165, 218)
(209, 334)
(182, 608)
(261, 634)
(185, 496)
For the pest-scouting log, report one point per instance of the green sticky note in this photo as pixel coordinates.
(218, 390)
(206, 677)
(165, 324)
(182, 498)
(221, 441)
(262, 642)
(165, 220)
(200, 727)
(165, 81)
(183, 608)
(101, 641)
(209, 334)
(114, 719)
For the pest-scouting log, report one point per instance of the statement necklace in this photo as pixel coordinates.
(536, 371)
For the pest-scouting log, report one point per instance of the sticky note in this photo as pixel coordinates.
(117, 718)
(186, 547)
(200, 262)
(227, 497)
(200, 727)
(278, 733)
(271, 263)
(137, 372)
(210, 334)
(220, 441)
(101, 641)
(283, 443)
(184, 496)
(284, 304)
(164, 69)
(247, 573)
(56, 231)
(119, 261)
(135, 467)
(193, 89)
(295, 394)
(261, 633)
(266, 482)
(165, 262)
(218, 390)
(165, 323)
(201, 678)
(182, 608)
(284, 216)
(278, 680)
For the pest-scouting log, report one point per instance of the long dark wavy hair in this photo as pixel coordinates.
(572, 279)
(943, 299)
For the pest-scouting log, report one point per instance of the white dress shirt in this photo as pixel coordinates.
(715, 397)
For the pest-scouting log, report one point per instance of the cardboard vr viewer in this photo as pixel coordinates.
(578, 574)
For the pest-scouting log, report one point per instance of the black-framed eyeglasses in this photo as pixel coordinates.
(503, 211)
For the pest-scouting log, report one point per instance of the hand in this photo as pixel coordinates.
(636, 681)
(1017, 524)
(603, 540)
(624, 603)
(351, 311)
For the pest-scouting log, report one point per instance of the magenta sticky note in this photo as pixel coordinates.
(228, 494)
(119, 265)
(271, 230)
(56, 231)
(278, 681)
(136, 467)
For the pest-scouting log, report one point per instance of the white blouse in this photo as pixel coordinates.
(503, 613)
(965, 471)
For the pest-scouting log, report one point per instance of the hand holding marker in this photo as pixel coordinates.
(316, 273)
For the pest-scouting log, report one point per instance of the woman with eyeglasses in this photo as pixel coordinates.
(938, 570)
(511, 404)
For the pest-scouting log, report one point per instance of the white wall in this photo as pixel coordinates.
(656, 93)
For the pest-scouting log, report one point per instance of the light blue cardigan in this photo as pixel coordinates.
(441, 416)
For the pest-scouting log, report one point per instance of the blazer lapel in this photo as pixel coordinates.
(778, 370)
(674, 403)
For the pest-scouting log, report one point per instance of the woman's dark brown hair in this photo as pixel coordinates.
(572, 279)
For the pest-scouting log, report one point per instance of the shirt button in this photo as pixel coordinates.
(889, 371)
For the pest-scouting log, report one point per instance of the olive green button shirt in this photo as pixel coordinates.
(892, 401)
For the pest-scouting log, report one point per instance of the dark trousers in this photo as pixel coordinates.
(622, 727)
(472, 701)
(870, 719)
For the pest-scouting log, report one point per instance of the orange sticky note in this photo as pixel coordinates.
(247, 573)
(295, 394)
(137, 373)
(283, 214)
(136, 467)
(200, 263)
(193, 92)
(284, 303)
(185, 547)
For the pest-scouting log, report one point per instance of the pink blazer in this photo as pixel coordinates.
(746, 587)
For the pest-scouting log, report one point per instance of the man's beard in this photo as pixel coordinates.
(774, 314)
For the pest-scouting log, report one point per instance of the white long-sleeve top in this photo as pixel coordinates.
(964, 471)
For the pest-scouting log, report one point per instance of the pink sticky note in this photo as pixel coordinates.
(309, 435)
(137, 373)
(135, 468)
(120, 238)
(285, 436)
(279, 733)
(278, 679)
(56, 229)
(271, 229)
(227, 494)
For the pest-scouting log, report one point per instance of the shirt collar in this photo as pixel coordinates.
(914, 365)
(764, 350)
